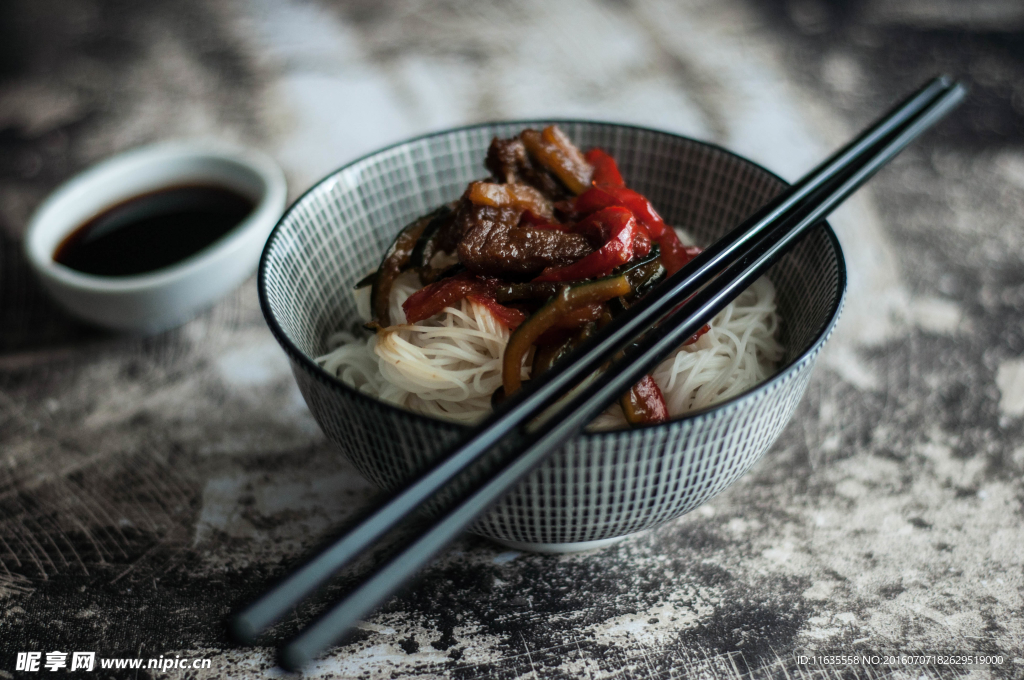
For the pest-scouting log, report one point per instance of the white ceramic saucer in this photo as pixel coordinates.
(166, 297)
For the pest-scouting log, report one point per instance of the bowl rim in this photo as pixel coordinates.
(715, 410)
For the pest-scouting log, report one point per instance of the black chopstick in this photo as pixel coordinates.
(545, 392)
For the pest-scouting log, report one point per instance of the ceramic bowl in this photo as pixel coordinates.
(157, 300)
(603, 485)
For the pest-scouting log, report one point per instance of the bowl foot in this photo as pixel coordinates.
(560, 548)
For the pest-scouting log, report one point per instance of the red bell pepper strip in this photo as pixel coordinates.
(623, 240)
(674, 255)
(432, 299)
(509, 317)
(641, 242)
(601, 226)
(644, 403)
(606, 171)
(605, 195)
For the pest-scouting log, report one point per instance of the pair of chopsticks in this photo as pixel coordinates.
(522, 431)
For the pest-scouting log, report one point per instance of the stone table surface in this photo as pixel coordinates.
(149, 485)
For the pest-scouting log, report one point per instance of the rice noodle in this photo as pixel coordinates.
(448, 366)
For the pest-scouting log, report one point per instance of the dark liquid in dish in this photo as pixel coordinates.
(153, 230)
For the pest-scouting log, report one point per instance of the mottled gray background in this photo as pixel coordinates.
(148, 486)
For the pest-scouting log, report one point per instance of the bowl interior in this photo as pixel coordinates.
(336, 233)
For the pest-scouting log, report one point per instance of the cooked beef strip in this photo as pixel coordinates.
(504, 158)
(494, 244)
(509, 163)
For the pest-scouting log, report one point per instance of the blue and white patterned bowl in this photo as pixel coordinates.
(602, 485)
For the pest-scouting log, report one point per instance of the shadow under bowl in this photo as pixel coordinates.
(601, 485)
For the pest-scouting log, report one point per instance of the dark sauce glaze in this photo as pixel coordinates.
(154, 230)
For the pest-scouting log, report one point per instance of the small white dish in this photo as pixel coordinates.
(161, 299)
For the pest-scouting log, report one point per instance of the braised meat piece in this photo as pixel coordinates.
(529, 173)
(506, 158)
(494, 244)
(509, 163)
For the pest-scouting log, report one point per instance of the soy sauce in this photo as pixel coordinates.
(154, 230)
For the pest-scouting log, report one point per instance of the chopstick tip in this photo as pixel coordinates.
(242, 630)
(291, 658)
